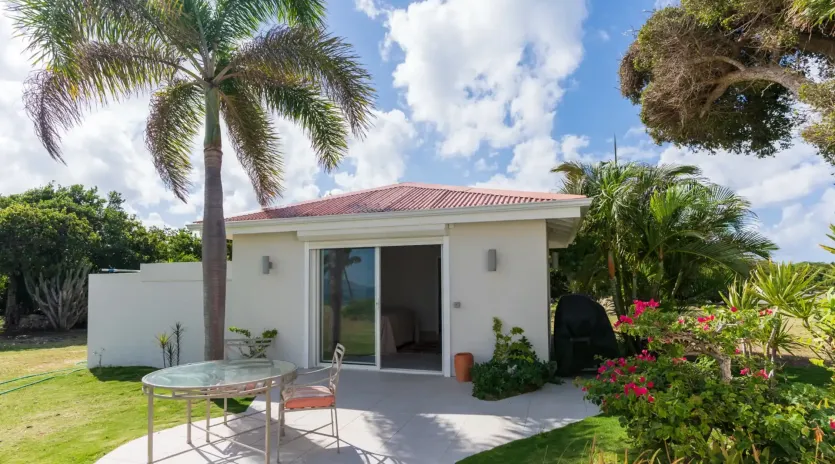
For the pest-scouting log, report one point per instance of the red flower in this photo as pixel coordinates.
(585, 389)
(744, 371)
(736, 351)
(622, 361)
(632, 369)
(610, 363)
(706, 327)
(762, 373)
(642, 379)
(651, 399)
(832, 424)
(617, 395)
(618, 371)
(649, 339)
(598, 377)
(601, 369)
(640, 391)
(650, 384)
(733, 309)
(681, 320)
(652, 303)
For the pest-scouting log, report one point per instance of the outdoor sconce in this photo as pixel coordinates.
(266, 265)
(491, 260)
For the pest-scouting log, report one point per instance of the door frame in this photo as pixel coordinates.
(312, 301)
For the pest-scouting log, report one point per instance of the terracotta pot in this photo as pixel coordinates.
(463, 364)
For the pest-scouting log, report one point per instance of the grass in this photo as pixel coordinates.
(79, 417)
(567, 445)
(30, 355)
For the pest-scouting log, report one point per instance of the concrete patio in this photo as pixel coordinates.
(383, 418)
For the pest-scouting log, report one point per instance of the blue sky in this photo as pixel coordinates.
(470, 92)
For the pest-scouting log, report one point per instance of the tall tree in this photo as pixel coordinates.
(201, 59)
(728, 75)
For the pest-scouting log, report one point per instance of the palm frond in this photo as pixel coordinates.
(254, 139)
(322, 121)
(315, 58)
(236, 19)
(174, 120)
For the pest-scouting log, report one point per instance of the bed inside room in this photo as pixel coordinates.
(410, 307)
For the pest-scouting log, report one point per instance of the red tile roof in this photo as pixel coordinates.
(409, 196)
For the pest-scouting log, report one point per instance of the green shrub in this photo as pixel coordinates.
(716, 406)
(514, 368)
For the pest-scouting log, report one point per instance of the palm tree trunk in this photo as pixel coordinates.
(214, 235)
(12, 315)
(613, 284)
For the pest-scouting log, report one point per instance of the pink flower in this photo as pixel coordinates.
(601, 369)
(832, 424)
(652, 303)
(706, 327)
(628, 387)
(733, 309)
(613, 378)
(681, 320)
(649, 339)
(622, 361)
(618, 371)
(651, 399)
(642, 379)
(610, 363)
(736, 351)
(617, 395)
(632, 369)
(598, 377)
(762, 374)
(585, 389)
(744, 371)
(640, 391)
(650, 384)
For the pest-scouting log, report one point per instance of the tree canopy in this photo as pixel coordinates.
(44, 228)
(731, 74)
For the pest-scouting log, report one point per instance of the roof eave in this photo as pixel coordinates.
(446, 215)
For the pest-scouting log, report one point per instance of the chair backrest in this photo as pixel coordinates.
(336, 365)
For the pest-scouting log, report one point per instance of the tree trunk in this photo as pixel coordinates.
(12, 315)
(214, 235)
(613, 284)
(725, 368)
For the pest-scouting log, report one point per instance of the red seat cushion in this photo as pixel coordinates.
(309, 397)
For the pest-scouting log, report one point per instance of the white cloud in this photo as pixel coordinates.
(379, 158)
(530, 167)
(485, 72)
(483, 166)
(635, 132)
(369, 7)
(801, 229)
(790, 175)
(603, 35)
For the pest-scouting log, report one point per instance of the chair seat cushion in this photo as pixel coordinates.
(309, 397)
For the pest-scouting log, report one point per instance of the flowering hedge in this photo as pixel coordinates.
(695, 393)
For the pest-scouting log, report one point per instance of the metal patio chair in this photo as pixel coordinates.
(317, 394)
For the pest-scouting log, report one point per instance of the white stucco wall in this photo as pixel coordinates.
(258, 301)
(517, 292)
(126, 312)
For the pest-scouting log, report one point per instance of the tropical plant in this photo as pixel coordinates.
(254, 347)
(727, 75)
(62, 297)
(201, 59)
(658, 232)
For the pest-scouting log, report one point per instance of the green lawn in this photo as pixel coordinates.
(76, 418)
(567, 445)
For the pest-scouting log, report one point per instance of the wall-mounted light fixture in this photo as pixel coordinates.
(266, 265)
(491, 260)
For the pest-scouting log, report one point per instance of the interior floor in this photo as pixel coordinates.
(411, 307)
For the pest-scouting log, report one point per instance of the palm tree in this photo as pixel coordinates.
(200, 59)
(661, 230)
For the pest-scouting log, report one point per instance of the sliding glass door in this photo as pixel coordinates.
(348, 312)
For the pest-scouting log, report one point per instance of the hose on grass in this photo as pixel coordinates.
(51, 374)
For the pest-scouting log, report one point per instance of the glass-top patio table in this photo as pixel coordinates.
(213, 380)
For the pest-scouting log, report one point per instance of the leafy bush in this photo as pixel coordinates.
(715, 405)
(254, 348)
(514, 368)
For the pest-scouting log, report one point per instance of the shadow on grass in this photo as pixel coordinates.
(23, 341)
(811, 374)
(569, 444)
(135, 374)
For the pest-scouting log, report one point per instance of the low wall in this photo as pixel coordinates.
(127, 311)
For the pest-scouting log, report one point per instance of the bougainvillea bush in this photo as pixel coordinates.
(695, 394)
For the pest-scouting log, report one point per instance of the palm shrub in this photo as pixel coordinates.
(695, 394)
(200, 59)
(657, 232)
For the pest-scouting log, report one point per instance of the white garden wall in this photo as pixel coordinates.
(126, 311)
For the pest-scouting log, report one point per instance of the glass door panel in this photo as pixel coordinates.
(348, 304)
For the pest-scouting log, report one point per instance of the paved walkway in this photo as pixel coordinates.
(383, 418)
